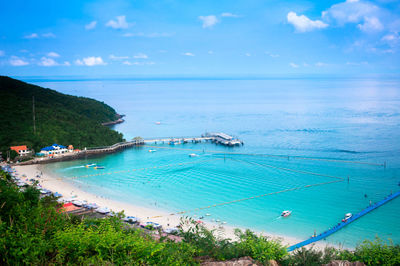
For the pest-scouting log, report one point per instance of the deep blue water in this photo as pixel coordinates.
(337, 119)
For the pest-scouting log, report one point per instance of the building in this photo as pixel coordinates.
(54, 149)
(21, 150)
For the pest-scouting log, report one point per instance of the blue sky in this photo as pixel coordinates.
(199, 38)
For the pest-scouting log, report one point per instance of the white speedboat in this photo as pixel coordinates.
(193, 155)
(347, 216)
(103, 210)
(152, 150)
(90, 165)
(286, 213)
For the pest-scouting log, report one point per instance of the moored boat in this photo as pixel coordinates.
(286, 213)
(131, 219)
(347, 216)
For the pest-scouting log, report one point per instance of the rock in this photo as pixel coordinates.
(344, 263)
(244, 261)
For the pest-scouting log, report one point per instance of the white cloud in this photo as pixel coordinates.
(140, 56)
(31, 36)
(128, 63)
(45, 61)
(293, 65)
(48, 35)
(16, 61)
(119, 23)
(272, 55)
(303, 23)
(188, 54)
(247, 54)
(53, 54)
(90, 61)
(91, 25)
(230, 15)
(392, 38)
(371, 24)
(210, 52)
(114, 57)
(366, 15)
(2, 53)
(320, 64)
(67, 63)
(208, 21)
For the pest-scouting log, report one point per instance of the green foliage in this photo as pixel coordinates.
(32, 231)
(374, 253)
(259, 248)
(60, 118)
(311, 256)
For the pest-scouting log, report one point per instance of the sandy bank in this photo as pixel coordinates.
(56, 184)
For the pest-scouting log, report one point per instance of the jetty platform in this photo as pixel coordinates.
(342, 224)
(217, 137)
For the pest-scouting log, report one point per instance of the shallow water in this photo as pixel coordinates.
(335, 119)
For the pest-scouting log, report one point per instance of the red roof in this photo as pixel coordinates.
(19, 148)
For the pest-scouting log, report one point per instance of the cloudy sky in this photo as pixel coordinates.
(199, 37)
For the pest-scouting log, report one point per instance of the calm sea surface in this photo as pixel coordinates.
(356, 120)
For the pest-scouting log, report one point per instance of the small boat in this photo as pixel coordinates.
(77, 203)
(158, 123)
(131, 219)
(103, 210)
(90, 165)
(153, 225)
(99, 167)
(286, 213)
(193, 155)
(152, 150)
(347, 216)
(171, 230)
(91, 206)
(44, 191)
(207, 214)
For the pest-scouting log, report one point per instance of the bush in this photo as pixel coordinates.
(374, 253)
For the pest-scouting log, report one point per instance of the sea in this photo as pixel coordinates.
(328, 145)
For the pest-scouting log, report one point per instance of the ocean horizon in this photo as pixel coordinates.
(342, 121)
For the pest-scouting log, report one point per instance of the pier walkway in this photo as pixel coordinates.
(219, 138)
(343, 224)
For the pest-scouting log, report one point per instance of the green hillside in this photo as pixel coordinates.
(60, 118)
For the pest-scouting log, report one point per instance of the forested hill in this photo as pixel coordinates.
(60, 118)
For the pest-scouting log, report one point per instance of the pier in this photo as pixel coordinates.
(218, 138)
(342, 224)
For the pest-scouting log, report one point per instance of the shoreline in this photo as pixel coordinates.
(56, 184)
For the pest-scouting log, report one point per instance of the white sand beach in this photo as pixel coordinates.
(56, 184)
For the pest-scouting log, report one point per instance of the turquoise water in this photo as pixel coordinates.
(336, 119)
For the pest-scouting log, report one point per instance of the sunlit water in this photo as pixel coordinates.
(335, 119)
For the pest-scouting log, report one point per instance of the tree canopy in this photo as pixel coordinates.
(60, 118)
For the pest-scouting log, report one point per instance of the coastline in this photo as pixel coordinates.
(56, 184)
